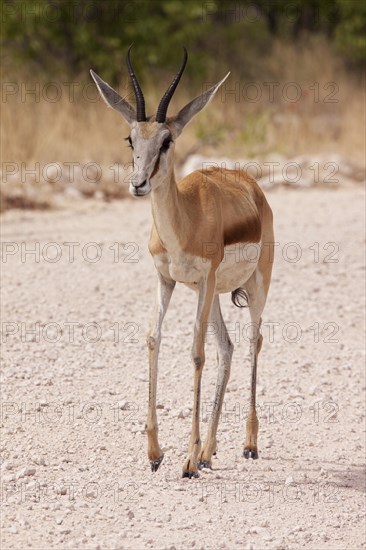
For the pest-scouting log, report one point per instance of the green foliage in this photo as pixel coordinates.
(350, 35)
(65, 37)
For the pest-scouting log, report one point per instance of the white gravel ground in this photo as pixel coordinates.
(74, 388)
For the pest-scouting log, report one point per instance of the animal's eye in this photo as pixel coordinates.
(129, 141)
(166, 144)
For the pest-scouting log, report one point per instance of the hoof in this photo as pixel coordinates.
(156, 463)
(190, 475)
(190, 469)
(204, 464)
(250, 453)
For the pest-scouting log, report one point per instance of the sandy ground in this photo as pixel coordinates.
(74, 388)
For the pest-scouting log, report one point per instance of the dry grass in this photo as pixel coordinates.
(84, 131)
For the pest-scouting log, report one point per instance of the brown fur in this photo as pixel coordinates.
(218, 206)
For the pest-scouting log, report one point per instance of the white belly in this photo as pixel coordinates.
(183, 268)
(238, 264)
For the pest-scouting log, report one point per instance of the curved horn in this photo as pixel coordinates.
(140, 101)
(164, 103)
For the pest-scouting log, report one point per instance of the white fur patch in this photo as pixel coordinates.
(182, 267)
(239, 262)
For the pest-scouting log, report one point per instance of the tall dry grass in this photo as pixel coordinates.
(327, 118)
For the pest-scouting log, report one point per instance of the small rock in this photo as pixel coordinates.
(8, 478)
(27, 471)
(40, 460)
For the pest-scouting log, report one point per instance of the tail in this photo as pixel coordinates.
(238, 295)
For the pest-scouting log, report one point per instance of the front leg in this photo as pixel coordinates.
(205, 299)
(164, 293)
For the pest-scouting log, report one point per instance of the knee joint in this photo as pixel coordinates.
(152, 343)
(198, 361)
(226, 359)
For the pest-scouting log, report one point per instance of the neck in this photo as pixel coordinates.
(167, 211)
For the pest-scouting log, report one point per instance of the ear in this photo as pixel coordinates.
(186, 114)
(113, 99)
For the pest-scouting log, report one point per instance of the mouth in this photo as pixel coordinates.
(140, 191)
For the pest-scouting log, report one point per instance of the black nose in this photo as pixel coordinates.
(141, 185)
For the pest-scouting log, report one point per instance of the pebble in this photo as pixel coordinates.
(8, 478)
(40, 460)
(27, 471)
(59, 520)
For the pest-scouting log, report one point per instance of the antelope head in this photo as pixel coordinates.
(152, 138)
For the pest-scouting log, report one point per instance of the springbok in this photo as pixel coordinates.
(202, 230)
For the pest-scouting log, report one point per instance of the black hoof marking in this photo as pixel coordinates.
(156, 463)
(250, 453)
(190, 475)
(204, 464)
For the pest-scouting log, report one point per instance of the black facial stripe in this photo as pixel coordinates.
(166, 144)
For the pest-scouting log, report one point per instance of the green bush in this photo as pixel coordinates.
(62, 37)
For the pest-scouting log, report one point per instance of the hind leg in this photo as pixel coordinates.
(257, 288)
(224, 350)
(256, 301)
